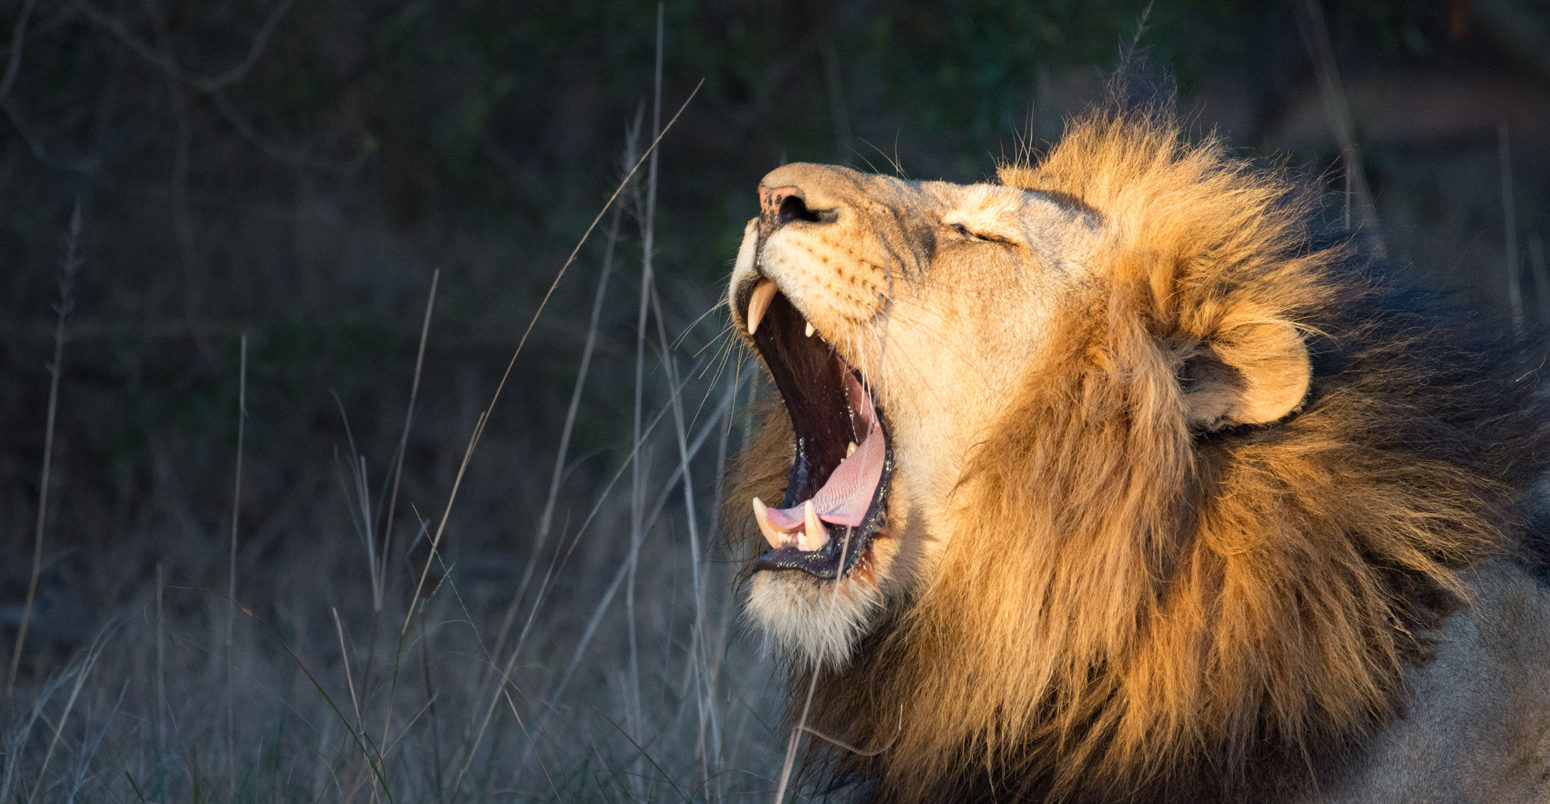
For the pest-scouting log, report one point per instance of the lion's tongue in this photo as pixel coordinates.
(848, 492)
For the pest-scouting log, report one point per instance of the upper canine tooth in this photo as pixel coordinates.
(759, 303)
(810, 329)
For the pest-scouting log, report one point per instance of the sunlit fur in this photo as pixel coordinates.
(1132, 603)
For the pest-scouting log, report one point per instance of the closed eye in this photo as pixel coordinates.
(968, 234)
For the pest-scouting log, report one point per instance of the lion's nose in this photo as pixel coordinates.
(804, 193)
(779, 206)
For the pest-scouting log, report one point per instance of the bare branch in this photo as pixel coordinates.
(214, 87)
(164, 60)
(18, 36)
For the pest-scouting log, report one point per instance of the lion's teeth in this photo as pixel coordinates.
(813, 537)
(850, 449)
(773, 535)
(810, 329)
(816, 535)
(759, 303)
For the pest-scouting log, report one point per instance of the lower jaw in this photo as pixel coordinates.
(837, 560)
(857, 570)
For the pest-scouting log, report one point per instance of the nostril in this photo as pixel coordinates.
(793, 208)
(782, 205)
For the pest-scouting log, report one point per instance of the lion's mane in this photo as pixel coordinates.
(1145, 609)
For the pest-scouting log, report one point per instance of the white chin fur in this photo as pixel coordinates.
(820, 620)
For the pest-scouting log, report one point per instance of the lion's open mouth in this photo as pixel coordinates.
(837, 490)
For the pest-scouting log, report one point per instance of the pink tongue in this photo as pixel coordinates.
(847, 493)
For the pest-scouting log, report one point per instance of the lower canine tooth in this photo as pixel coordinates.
(816, 535)
(774, 536)
(850, 449)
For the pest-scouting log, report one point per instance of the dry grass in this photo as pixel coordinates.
(383, 674)
(388, 668)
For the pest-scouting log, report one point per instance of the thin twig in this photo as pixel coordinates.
(349, 680)
(699, 662)
(1510, 229)
(18, 37)
(1536, 264)
(231, 563)
(479, 425)
(403, 443)
(378, 569)
(68, 268)
(713, 670)
(633, 709)
(624, 182)
(182, 139)
(457, 483)
(430, 706)
(1322, 53)
(860, 752)
(161, 667)
(344, 656)
(788, 765)
(801, 726)
(562, 453)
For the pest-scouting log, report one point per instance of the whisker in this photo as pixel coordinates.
(692, 324)
(720, 337)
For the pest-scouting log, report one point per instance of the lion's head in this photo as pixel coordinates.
(1111, 472)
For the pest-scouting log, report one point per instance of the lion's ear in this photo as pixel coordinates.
(1254, 373)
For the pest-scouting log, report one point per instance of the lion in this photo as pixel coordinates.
(1127, 476)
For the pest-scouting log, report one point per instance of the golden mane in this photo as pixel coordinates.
(1144, 607)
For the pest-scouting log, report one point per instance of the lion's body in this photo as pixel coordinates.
(1191, 502)
(1476, 719)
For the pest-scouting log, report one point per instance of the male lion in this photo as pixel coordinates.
(1119, 479)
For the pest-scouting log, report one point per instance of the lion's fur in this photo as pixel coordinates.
(1138, 604)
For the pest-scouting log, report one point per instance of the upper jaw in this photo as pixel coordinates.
(745, 272)
(837, 488)
(760, 257)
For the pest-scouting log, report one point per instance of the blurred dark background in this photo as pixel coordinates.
(294, 172)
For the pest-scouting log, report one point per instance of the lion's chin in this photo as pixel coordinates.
(814, 619)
